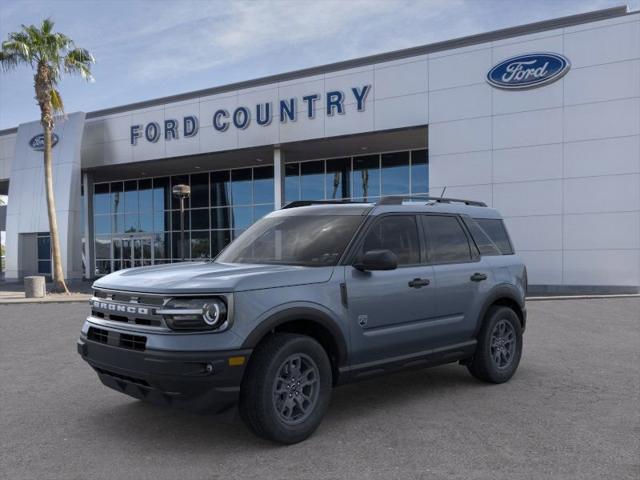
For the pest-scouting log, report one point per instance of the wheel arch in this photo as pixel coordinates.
(305, 321)
(504, 295)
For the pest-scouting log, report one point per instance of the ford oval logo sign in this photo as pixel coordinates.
(528, 71)
(37, 142)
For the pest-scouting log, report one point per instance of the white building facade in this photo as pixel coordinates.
(540, 121)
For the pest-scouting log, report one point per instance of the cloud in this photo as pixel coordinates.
(147, 49)
(195, 36)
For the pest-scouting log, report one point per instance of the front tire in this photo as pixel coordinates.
(287, 388)
(499, 346)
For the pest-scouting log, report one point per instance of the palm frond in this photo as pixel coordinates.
(56, 101)
(79, 61)
(47, 26)
(9, 61)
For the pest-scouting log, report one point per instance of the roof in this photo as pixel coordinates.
(371, 59)
(408, 204)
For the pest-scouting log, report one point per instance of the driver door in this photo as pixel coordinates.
(389, 311)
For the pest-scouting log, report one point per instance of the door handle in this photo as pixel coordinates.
(478, 277)
(419, 282)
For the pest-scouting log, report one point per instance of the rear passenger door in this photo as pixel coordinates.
(461, 276)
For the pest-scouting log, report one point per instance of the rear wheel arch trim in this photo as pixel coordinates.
(501, 293)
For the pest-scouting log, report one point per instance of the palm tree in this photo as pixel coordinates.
(50, 55)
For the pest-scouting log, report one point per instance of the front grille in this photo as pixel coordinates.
(131, 308)
(122, 340)
(98, 335)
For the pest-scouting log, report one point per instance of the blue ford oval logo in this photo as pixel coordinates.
(528, 71)
(37, 142)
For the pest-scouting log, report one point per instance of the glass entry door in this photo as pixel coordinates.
(132, 251)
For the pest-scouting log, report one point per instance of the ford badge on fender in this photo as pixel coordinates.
(528, 71)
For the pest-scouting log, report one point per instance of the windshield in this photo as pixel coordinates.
(313, 240)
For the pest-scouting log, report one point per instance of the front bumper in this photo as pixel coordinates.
(197, 381)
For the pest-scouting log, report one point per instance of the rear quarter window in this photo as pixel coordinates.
(497, 232)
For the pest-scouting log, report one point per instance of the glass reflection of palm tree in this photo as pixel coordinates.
(336, 184)
(116, 203)
(365, 183)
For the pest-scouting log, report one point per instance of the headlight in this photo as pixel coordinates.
(195, 314)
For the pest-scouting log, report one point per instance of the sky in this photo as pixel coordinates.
(150, 49)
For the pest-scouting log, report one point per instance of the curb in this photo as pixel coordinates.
(582, 297)
(71, 299)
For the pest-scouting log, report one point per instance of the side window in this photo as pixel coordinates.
(446, 240)
(398, 233)
(484, 243)
(494, 227)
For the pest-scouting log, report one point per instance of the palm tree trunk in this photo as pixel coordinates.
(59, 284)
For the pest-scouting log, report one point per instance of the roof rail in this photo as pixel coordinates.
(306, 203)
(398, 199)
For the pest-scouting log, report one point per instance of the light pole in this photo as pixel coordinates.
(182, 192)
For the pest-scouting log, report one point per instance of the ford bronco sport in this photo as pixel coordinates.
(311, 296)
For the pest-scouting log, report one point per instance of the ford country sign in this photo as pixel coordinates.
(37, 142)
(528, 71)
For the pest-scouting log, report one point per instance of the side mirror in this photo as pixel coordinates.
(377, 260)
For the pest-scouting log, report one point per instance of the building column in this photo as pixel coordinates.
(87, 221)
(278, 178)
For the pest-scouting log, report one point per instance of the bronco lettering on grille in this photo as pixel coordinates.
(116, 307)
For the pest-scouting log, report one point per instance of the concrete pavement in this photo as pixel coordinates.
(571, 412)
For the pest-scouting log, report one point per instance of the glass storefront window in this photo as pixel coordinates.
(292, 182)
(220, 218)
(117, 192)
(44, 253)
(260, 211)
(337, 179)
(220, 189)
(263, 185)
(200, 190)
(225, 203)
(395, 173)
(103, 247)
(101, 199)
(242, 217)
(131, 203)
(366, 177)
(131, 223)
(200, 245)
(175, 246)
(312, 180)
(102, 224)
(420, 171)
(103, 267)
(161, 242)
(145, 195)
(161, 194)
(219, 240)
(161, 222)
(200, 219)
(241, 187)
(175, 220)
(146, 222)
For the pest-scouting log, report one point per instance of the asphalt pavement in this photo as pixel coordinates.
(571, 412)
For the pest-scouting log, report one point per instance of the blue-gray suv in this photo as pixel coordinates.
(312, 296)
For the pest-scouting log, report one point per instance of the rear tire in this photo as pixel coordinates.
(499, 346)
(287, 388)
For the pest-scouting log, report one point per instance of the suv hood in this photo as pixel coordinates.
(207, 277)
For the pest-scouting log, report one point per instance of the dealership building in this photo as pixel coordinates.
(541, 121)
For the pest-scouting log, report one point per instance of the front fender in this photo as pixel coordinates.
(299, 311)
